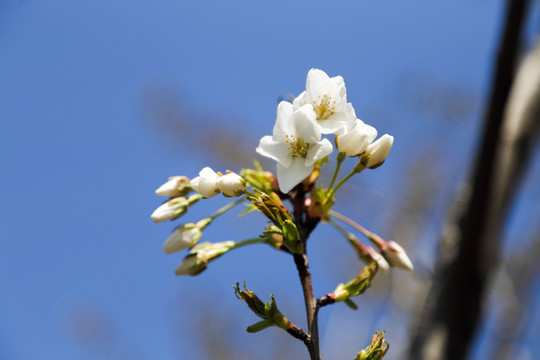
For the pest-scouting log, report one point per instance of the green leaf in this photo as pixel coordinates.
(351, 304)
(261, 325)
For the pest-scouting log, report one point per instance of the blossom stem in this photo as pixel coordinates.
(258, 240)
(340, 159)
(340, 228)
(376, 239)
(333, 191)
(226, 208)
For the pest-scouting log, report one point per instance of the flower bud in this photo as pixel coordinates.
(376, 350)
(377, 152)
(171, 209)
(201, 255)
(357, 140)
(176, 186)
(373, 255)
(231, 184)
(182, 237)
(191, 265)
(206, 183)
(396, 256)
(357, 285)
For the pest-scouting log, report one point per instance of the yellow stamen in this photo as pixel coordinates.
(297, 146)
(324, 109)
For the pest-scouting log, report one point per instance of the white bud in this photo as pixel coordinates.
(357, 140)
(379, 259)
(206, 183)
(191, 265)
(201, 255)
(396, 256)
(231, 184)
(379, 150)
(176, 186)
(183, 237)
(170, 210)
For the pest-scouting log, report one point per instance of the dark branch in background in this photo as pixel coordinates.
(521, 131)
(521, 272)
(470, 241)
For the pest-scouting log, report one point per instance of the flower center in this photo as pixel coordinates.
(297, 146)
(324, 107)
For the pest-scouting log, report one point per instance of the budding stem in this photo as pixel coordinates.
(258, 240)
(226, 208)
(336, 171)
(376, 239)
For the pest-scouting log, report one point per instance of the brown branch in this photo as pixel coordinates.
(304, 273)
(325, 300)
(300, 334)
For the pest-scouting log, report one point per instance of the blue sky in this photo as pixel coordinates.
(81, 157)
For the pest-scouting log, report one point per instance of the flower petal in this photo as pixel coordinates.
(283, 115)
(315, 80)
(299, 101)
(293, 175)
(302, 124)
(317, 151)
(277, 151)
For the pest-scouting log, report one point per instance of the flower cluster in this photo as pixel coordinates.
(296, 143)
(292, 202)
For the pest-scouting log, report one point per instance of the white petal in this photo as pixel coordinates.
(339, 83)
(315, 80)
(283, 115)
(299, 101)
(293, 175)
(303, 124)
(277, 151)
(317, 151)
(357, 140)
(339, 123)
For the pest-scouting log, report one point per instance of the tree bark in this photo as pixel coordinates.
(470, 240)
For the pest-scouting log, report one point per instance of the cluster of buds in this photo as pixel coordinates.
(209, 183)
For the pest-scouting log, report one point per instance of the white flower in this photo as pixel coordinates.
(206, 183)
(396, 256)
(377, 152)
(231, 184)
(170, 210)
(201, 255)
(176, 186)
(355, 141)
(182, 237)
(295, 144)
(328, 98)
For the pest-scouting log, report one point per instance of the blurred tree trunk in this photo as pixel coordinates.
(471, 239)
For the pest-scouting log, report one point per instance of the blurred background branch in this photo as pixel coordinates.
(471, 241)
